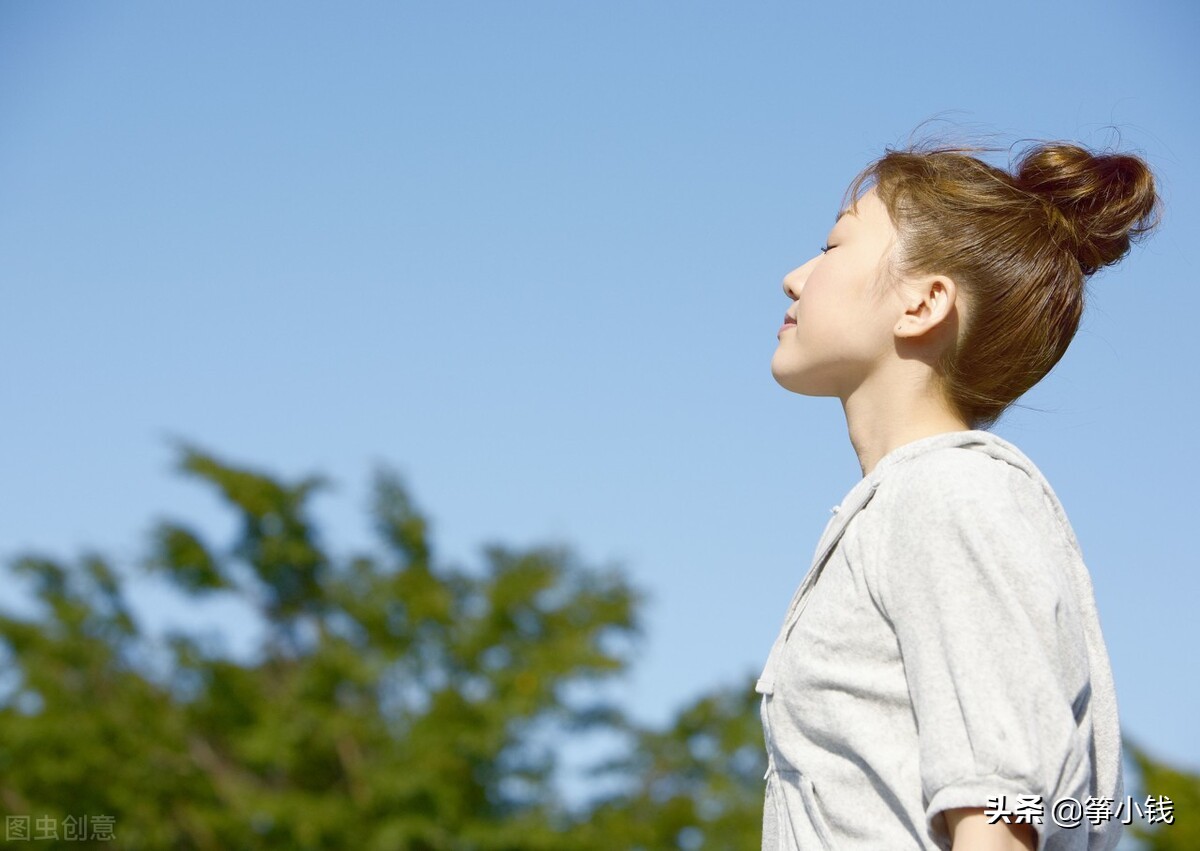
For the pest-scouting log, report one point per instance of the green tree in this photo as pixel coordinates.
(1182, 788)
(698, 785)
(395, 703)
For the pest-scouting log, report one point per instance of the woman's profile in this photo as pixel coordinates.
(940, 679)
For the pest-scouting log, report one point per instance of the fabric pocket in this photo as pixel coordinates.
(801, 812)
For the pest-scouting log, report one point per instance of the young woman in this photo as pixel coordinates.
(941, 680)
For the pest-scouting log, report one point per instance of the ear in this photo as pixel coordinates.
(929, 302)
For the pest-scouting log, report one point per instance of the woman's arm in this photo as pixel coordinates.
(973, 574)
(969, 831)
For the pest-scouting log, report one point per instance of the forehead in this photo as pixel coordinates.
(867, 208)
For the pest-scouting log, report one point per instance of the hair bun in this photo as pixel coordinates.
(1097, 203)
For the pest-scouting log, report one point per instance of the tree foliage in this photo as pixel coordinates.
(395, 703)
(1182, 789)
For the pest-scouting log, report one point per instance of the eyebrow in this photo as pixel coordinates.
(844, 212)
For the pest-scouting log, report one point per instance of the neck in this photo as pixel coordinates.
(891, 412)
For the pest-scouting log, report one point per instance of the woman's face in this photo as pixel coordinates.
(839, 327)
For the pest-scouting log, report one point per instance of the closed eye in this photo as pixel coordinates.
(825, 248)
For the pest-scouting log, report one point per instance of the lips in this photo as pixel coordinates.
(788, 322)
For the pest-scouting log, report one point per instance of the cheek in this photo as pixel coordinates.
(818, 303)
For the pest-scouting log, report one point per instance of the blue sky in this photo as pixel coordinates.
(529, 254)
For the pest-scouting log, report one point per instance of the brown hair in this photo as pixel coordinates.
(1020, 246)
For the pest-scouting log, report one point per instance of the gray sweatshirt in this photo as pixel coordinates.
(943, 650)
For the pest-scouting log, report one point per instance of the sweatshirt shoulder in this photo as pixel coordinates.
(966, 487)
(961, 512)
(955, 474)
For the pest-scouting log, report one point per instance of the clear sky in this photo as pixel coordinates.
(528, 254)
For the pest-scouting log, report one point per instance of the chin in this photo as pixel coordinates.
(788, 380)
(798, 381)
(786, 374)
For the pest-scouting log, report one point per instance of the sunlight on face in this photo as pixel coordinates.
(838, 328)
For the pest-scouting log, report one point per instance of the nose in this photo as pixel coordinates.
(793, 281)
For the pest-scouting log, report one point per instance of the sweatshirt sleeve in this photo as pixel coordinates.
(971, 579)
